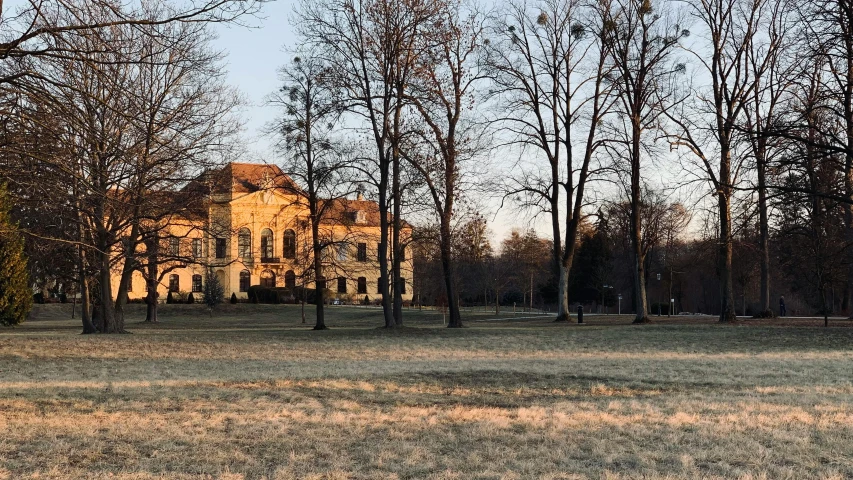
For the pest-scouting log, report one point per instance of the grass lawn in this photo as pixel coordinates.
(253, 394)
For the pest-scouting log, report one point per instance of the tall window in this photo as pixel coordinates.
(266, 243)
(174, 283)
(342, 285)
(403, 253)
(245, 280)
(174, 246)
(197, 283)
(268, 279)
(244, 243)
(361, 256)
(289, 244)
(289, 279)
(220, 248)
(197, 247)
(402, 285)
(379, 285)
(130, 283)
(362, 285)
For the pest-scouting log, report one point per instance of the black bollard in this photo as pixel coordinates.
(580, 313)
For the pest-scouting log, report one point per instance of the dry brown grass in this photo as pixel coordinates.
(251, 394)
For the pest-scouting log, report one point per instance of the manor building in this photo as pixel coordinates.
(251, 227)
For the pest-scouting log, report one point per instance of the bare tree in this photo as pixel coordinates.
(442, 92)
(642, 37)
(710, 129)
(549, 67)
(144, 115)
(310, 109)
(371, 46)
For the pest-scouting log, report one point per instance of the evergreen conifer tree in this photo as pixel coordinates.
(16, 297)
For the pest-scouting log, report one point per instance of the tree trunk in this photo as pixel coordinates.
(455, 320)
(387, 310)
(727, 304)
(152, 247)
(640, 301)
(319, 280)
(85, 303)
(396, 257)
(106, 306)
(763, 229)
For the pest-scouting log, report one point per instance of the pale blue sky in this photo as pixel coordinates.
(253, 57)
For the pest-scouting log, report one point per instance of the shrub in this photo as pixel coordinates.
(214, 291)
(169, 298)
(16, 298)
(233, 298)
(190, 298)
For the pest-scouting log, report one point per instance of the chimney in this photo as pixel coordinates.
(359, 196)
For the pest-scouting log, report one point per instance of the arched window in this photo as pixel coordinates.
(244, 243)
(362, 285)
(268, 279)
(266, 243)
(197, 283)
(289, 279)
(245, 280)
(342, 285)
(289, 244)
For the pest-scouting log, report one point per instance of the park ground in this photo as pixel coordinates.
(252, 393)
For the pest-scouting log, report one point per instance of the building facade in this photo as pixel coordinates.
(253, 229)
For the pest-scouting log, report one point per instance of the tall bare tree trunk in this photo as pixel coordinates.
(640, 301)
(763, 227)
(319, 279)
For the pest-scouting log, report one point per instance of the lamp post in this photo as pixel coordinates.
(658, 295)
(603, 291)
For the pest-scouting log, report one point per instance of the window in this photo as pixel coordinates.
(402, 285)
(343, 252)
(289, 279)
(342, 285)
(289, 245)
(245, 280)
(362, 285)
(174, 246)
(197, 247)
(174, 283)
(220, 248)
(403, 253)
(197, 283)
(361, 256)
(378, 249)
(130, 283)
(266, 243)
(244, 243)
(379, 285)
(268, 279)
